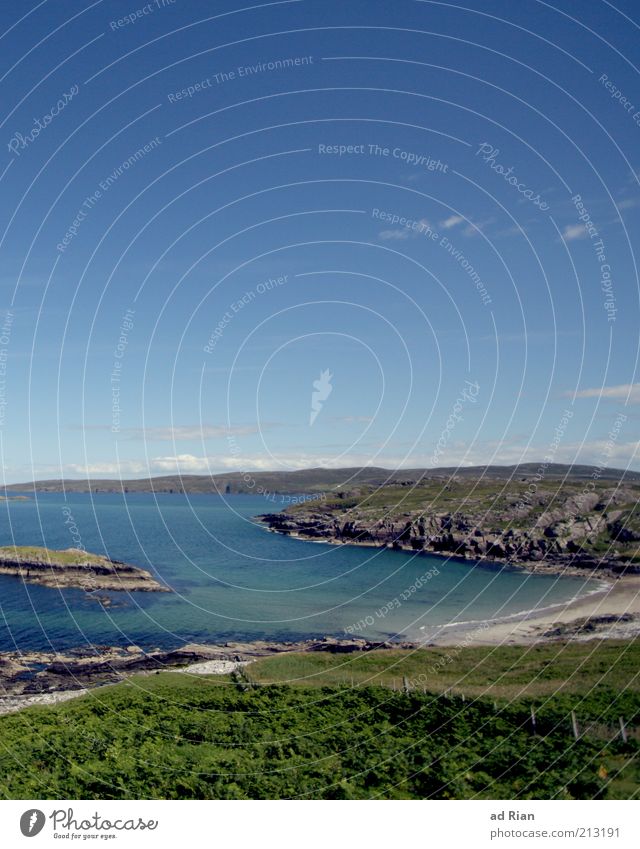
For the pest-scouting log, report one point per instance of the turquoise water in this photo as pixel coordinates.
(233, 580)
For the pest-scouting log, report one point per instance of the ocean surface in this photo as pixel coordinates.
(234, 580)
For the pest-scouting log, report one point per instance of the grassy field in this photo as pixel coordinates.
(294, 726)
(507, 672)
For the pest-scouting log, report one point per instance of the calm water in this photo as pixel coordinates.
(233, 580)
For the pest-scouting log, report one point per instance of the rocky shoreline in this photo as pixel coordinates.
(582, 566)
(46, 677)
(75, 568)
(562, 531)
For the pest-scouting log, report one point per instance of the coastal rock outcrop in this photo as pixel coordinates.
(75, 568)
(560, 525)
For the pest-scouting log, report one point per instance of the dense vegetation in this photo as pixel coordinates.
(176, 736)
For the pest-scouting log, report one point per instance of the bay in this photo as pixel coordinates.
(234, 580)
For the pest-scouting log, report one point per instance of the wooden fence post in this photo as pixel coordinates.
(574, 725)
(623, 730)
(405, 683)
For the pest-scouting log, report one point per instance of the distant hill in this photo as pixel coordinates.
(315, 480)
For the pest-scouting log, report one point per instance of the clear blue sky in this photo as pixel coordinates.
(161, 163)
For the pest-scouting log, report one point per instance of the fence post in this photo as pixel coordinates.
(405, 683)
(623, 730)
(574, 725)
(533, 720)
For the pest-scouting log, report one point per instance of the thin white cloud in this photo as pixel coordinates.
(475, 228)
(405, 232)
(618, 454)
(629, 392)
(390, 235)
(179, 433)
(451, 221)
(573, 231)
(187, 432)
(629, 203)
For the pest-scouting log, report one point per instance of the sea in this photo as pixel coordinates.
(234, 580)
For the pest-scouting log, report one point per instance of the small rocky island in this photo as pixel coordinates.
(75, 568)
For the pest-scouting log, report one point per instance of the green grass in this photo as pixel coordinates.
(37, 554)
(506, 672)
(172, 735)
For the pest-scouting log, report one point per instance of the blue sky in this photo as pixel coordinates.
(206, 207)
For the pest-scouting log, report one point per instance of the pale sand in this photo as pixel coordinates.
(214, 667)
(620, 597)
(11, 704)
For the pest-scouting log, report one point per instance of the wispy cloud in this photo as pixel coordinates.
(353, 419)
(629, 392)
(458, 453)
(573, 231)
(390, 235)
(187, 432)
(451, 221)
(403, 233)
(179, 433)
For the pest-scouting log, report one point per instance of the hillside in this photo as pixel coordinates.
(377, 725)
(314, 480)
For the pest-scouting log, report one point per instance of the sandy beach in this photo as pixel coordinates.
(619, 599)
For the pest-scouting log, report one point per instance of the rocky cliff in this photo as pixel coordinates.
(556, 525)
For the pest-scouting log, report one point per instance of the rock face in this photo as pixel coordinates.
(562, 526)
(76, 568)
